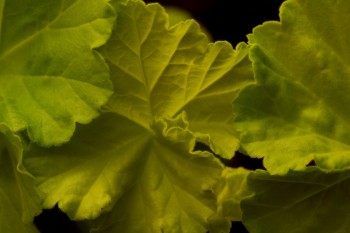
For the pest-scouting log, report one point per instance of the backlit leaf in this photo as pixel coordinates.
(50, 76)
(160, 71)
(299, 109)
(136, 164)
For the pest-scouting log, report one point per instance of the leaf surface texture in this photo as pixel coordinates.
(298, 109)
(307, 201)
(51, 77)
(135, 166)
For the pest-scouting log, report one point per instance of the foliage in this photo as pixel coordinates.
(297, 114)
(103, 103)
(46, 56)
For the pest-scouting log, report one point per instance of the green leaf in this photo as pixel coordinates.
(135, 164)
(177, 15)
(93, 169)
(299, 202)
(231, 190)
(160, 71)
(51, 77)
(298, 109)
(157, 182)
(173, 192)
(19, 200)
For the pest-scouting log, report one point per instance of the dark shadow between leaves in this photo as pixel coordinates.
(238, 160)
(242, 160)
(55, 221)
(238, 227)
(312, 163)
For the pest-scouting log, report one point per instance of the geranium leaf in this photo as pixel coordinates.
(95, 167)
(19, 200)
(302, 202)
(115, 162)
(160, 71)
(50, 76)
(298, 110)
(136, 164)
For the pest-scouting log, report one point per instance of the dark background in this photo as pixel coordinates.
(229, 20)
